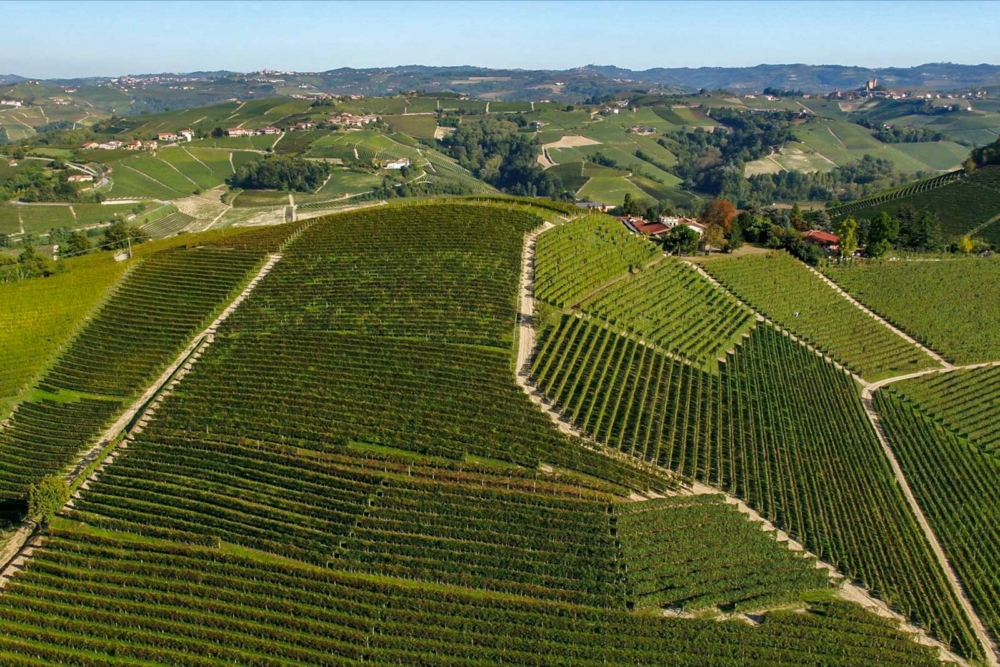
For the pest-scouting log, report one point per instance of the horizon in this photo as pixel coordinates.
(490, 35)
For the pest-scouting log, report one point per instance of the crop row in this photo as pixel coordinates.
(955, 484)
(629, 396)
(87, 599)
(168, 225)
(438, 273)
(673, 307)
(947, 305)
(573, 260)
(780, 428)
(150, 317)
(897, 193)
(966, 401)
(695, 555)
(784, 290)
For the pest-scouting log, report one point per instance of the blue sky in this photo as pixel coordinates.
(55, 39)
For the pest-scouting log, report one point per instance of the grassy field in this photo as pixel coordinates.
(415, 126)
(611, 190)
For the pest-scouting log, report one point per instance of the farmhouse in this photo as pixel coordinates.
(150, 145)
(594, 206)
(134, 145)
(80, 178)
(239, 132)
(90, 145)
(642, 130)
(304, 125)
(822, 239)
(639, 225)
(351, 120)
(187, 135)
(398, 164)
(271, 130)
(166, 136)
(672, 221)
(10, 103)
(12, 163)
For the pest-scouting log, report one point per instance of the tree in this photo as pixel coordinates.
(798, 220)
(118, 235)
(218, 132)
(46, 498)
(77, 243)
(719, 212)
(847, 230)
(883, 228)
(714, 237)
(681, 240)
(966, 244)
(630, 206)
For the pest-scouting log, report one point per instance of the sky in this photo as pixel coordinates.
(76, 39)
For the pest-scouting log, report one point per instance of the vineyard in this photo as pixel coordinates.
(964, 401)
(167, 225)
(578, 258)
(200, 606)
(955, 484)
(671, 306)
(758, 432)
(350, 472)
(673, 560)
(948, 306)
(785, 291)
(964, 204)
(858, 205)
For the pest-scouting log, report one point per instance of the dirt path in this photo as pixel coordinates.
(909, 339)
(151, 178)
(953, 581)
(138, 414)
(525, 349)
(830, 130)
(195, 158)
(192, 182)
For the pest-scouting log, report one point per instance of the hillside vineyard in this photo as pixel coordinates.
(358, 463)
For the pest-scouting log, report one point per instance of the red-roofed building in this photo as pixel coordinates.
(640, 226)
(824, 239)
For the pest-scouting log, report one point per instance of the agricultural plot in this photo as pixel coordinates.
(202, 175)
(575, 259)
(673, 561)
(966, 402)
(949, 306)
(939, 155)
(189, 603)
(571, 175)
(964, 205)
(755, 432)
(415, 126)
(93, 214)
(784, 290)
(10, 219)
(611, 190)
(215, 159)
(842, 143)
(954, 482)
(130, 183)
(671, 306)
(168, 225)
(40, 314)
(177, 290)
(255, 198)
(40, 219)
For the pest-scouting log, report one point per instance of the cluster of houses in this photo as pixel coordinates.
(80, 178)
(180, 135)
(269, 130)
(398, 164)
(114, 144)
(351, 120)
(642, 130)
(10, 103)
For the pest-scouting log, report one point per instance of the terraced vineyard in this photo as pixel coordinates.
(964, 204)
(859, 205)
(785, 291)
(964, 401)
(578, 258)
(674, 308)
(955, 483)
(196, 605)
(755, 431)
(948, 306)
(673, 561)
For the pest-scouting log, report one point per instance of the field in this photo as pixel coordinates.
(415, 126)
(753, 432)
(39, 315)
(784, 290)
(964, 205)
(954, 482)
(578, 258)
(611, 190)
(948, 306)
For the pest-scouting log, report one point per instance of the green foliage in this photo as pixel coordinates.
(577, 258)
(46, 497)
(281, 173)
(671, 306)
(950, 306)
(120, 234)
(27, 264)
(785, 291)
